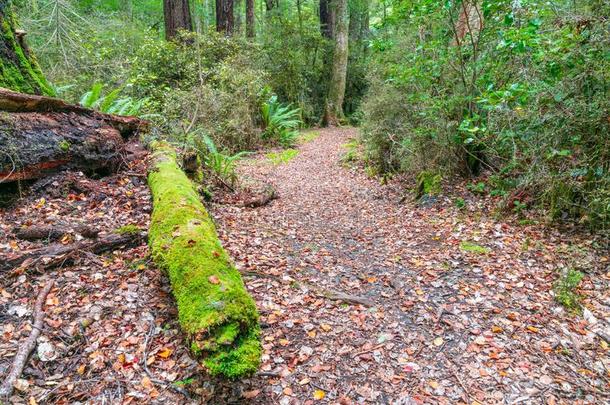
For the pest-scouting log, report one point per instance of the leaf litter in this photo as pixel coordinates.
(448, 325)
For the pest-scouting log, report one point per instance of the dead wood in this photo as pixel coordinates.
(57, 254)
(23, 354)
(42, 135)
(54, 232)
(269, 194)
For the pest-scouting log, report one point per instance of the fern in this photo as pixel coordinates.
(280, 122)
(110, 103)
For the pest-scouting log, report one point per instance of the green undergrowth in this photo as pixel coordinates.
(565, 290)
(309, 136)
(474, 248)
(285, 156)
(214, 308)
(127, 230)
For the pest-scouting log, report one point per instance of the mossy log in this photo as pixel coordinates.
(214, 308)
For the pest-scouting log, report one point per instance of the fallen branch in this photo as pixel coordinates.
(57, 253)
(322, 292)
(21, 358)
(52, 233)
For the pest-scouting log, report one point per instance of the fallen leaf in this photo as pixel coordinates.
(319, 394)
(214, 280)
(164, 353)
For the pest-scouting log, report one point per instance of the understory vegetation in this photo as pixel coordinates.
(517, 93)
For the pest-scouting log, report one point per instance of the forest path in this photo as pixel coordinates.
(463, 304)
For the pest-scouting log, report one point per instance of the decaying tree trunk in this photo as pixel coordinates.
(57, 253)
(18, 68)
(336, 90)
(42, 135)
(214, 308)
(177, 16)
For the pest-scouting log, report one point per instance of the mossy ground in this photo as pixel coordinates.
(214, 308)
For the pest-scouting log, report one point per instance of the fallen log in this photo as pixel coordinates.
(42, 135)
(57, 253)
(214, 307)
(21, 358)
(53, 232)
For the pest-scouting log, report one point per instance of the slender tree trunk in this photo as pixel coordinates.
(224, 17)
(18, 68)
(250, 19)
(177, 15)
(336, 89)
(326, 19)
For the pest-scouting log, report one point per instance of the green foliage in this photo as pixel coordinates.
(565, 290)
(111, 103)
(285, 156)
(428, 183)
(204, 84)
(130, 229)
(526, 100)
(280, 122)
(218, 164)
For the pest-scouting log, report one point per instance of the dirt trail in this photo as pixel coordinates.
(464, 309)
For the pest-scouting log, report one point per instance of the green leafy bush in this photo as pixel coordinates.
(526, 100)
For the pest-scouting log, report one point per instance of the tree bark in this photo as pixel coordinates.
(224, 17)
(326, 19)
(42, 135)
(18, 68)
(177, 16)
(336, 89)
(250, 33)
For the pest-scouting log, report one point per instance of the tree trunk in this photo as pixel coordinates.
(18, 68)
(336, 89)
(250, 18)
(326, 19)
(41, 135)
(224, 16)
(177, 15)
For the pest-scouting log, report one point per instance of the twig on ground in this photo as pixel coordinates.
(166, 384)
(21, 358)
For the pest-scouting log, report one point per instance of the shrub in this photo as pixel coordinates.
(527, 101)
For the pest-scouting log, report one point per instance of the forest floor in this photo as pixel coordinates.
(459, 305)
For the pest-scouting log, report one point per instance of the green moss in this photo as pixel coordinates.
(284, 156)
(474, 248)
(214, 308)
(19, 70)
(428, 183)
(64, 145)
(128, 230)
